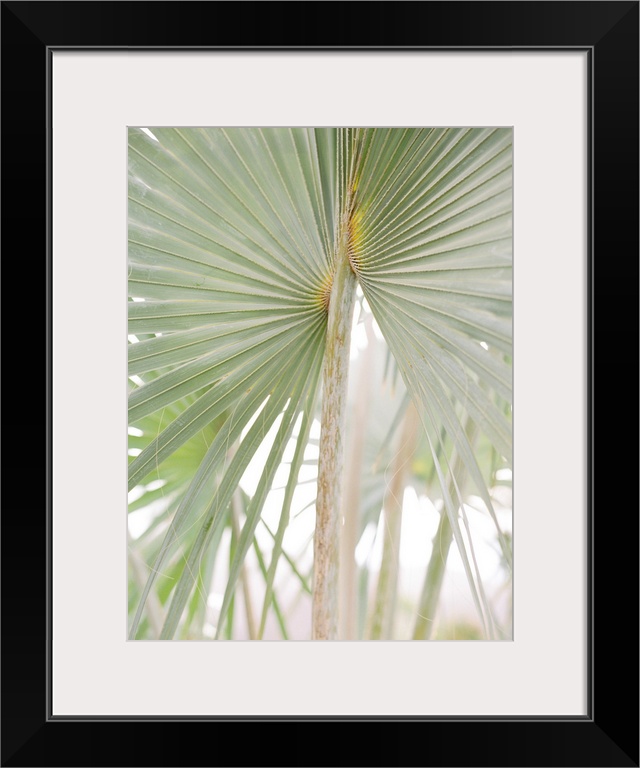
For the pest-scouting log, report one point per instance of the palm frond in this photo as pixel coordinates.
(431, 235)
(236, 246)
(230, 243)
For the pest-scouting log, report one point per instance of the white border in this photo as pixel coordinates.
(95, 96)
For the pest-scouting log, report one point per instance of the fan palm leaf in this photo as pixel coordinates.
(245, 247)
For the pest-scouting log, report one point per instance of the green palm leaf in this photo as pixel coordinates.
(424, 198)
(235, 237)
(230, 250)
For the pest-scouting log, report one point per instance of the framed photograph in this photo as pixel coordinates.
(451, 157)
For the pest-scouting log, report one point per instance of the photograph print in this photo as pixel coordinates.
(320, 383)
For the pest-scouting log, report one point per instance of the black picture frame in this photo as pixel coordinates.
(608, 31)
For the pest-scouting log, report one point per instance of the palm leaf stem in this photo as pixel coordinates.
(334, 405)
